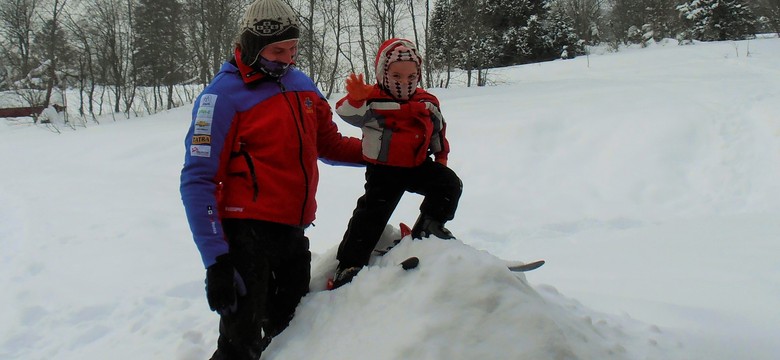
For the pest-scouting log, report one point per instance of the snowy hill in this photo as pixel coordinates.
(647, 178)
(460, 303)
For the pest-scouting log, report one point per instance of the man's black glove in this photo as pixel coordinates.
(223, 286)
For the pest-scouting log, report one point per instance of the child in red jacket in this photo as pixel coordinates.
(402, 126)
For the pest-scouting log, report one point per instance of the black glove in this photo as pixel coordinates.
(223, 286)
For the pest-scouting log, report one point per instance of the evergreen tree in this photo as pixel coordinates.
(517, 44)
(159, 58)
(661, 20)
(713, 20)
(532, 44)
(441, 39)
(563, 37)
(624, 15)
(770, 14)
(474, 35)
(53, 49)
(637, 21)
(547, 34)
(481, 46)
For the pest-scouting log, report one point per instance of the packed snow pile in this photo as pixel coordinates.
(459, 303)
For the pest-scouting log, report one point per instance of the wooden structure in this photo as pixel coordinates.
(31, 111)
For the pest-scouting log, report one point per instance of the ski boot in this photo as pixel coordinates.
(427, 226)
(343, 276)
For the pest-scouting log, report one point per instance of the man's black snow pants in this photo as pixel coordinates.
(274, 262)
(385, 185)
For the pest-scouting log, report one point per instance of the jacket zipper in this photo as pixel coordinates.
(251, 166)
(299, 120)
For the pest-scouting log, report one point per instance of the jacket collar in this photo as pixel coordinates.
(248, 74)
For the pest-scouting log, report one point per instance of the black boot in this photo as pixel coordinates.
(227, 350)
(344, 276)
(427, 226)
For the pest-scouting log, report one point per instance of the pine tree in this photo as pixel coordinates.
(475, 35)
(159, 59)
(637, 21)
(55, 53)
(713, 20)
(159, 40)
(562, 36)
(768, 13)
(441, 46)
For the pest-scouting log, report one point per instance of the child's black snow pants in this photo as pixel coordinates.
(384, 187)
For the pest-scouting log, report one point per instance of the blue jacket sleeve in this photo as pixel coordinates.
(212, 117)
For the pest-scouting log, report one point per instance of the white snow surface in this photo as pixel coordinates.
(649, 179)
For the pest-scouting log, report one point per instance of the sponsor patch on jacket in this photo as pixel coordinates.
(202, 126)
(201, 140)
(200, 150)
(309, 105)
(208, 100)
(205, 114)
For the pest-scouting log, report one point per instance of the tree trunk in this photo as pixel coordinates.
(428, 74)
(414, 30)
(362, 38)
(51, 50)
(338, 45)
(170, 96)
(311, 39)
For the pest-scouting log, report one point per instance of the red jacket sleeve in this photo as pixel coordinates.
(331, 145)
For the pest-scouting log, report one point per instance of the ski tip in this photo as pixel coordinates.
(410, 263)
(528, 266)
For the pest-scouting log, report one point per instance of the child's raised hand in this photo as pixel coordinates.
(357, 89)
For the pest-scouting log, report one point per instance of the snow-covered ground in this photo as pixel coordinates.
(648, 179)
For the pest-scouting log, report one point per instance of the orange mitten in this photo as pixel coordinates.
(357, 89)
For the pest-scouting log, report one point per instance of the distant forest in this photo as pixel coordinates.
(121, 46)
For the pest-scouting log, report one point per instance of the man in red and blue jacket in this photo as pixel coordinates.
(250, 178)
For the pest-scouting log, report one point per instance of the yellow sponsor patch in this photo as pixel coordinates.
(201, 139)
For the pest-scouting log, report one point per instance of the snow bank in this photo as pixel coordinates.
(460, 303)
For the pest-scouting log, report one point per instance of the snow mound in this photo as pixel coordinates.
(460, 303)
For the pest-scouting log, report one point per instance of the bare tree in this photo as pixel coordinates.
(385, 15)
(52, 42)
(86, 68)
(312, 42)
(427, 59)
(212, 27)
(17, 24)
(335, 24)
(361, 30)
(587, 15)
(110, 21)
(410, 4)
